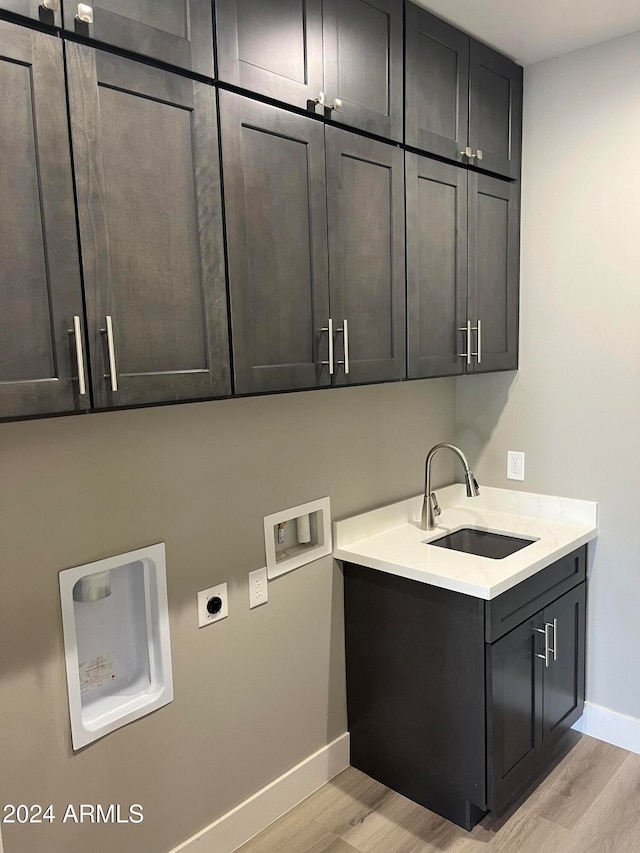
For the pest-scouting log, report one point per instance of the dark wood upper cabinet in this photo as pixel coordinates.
(176, 32)
(272, 47)
(463, 100)
(493, 273)
(40, 289)
(495, 110)
(294, 50)
(363, 64)
(365, 210)
(437, 85)
(47, 12)
(149, 206)
(462, 270)
(436, 266)
(275, 198)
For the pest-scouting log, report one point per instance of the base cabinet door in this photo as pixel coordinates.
(149, 206)
(176, 32)
(42, 357)
(272, 47)
(563, 702)
(514, 729)
(365, 210)
(275, 199)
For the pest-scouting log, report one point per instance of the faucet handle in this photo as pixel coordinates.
(436, 506)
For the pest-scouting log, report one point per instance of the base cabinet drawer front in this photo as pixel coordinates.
(529, 597)
(149, 206)
(42, 334)
(175, 32)
(44, 11)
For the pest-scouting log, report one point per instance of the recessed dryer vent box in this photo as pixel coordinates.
(116, 639)
(297, 536)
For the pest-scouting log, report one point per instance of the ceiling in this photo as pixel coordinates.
(531, 31)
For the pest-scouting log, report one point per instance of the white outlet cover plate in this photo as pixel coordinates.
(258, 588)
(515, 465)
(204, 617)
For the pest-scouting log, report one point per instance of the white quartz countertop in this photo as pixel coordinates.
(390, 540)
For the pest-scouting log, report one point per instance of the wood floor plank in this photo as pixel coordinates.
(572, 787)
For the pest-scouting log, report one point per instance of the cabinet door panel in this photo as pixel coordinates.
(145, 146)
(273, 47)
(365, 191)
(275, 197)
(515, 711)
(495, 110)
(436, 266)
(40, 290)
(363, 63)
(494, 249)
(34, 10)
(178, 32)
(437, 74)
(564, 678)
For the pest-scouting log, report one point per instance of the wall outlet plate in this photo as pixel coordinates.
(258, 588)
(220, 608)
(515, 465)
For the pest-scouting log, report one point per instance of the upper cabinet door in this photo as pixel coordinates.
(495, 111)
(273, 47)
(436, 266)
(437, 74)
(45, 11)
(178, 32)
(149, 205)
(365, 208)
(494, 252)
(364, 64)
(40, 292)
(275, 199)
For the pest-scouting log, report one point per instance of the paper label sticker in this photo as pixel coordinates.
(94, 673)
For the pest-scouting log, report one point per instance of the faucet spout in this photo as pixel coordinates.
(429, 505)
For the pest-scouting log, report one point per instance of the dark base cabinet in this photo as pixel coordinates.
(449, 702)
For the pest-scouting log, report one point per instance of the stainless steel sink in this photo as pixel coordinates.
(481, 543)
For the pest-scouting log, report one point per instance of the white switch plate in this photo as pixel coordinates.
(206, 618)
(258, 589)
(515, 465)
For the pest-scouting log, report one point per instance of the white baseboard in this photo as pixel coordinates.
(236, 827)
(610, 726)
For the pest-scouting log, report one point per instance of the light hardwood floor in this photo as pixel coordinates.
(588, 803)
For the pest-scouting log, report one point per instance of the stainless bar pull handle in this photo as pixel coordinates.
(554, 650)
(329, 328)
(479, 155)
(84, 13)
(345, 333)
(112, 353)
(77, 333)
(547, 646)
(468, 353)
(467, 152)
(478, 352)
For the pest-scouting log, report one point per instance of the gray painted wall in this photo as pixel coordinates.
(255, 694)
(574, 405)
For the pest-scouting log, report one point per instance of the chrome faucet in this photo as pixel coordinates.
(430, 508)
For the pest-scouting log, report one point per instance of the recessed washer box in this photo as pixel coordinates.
(297, 536)
(116, 637)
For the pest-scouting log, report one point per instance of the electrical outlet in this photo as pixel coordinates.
(213, 605)
(258, 590)
(515, 465)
